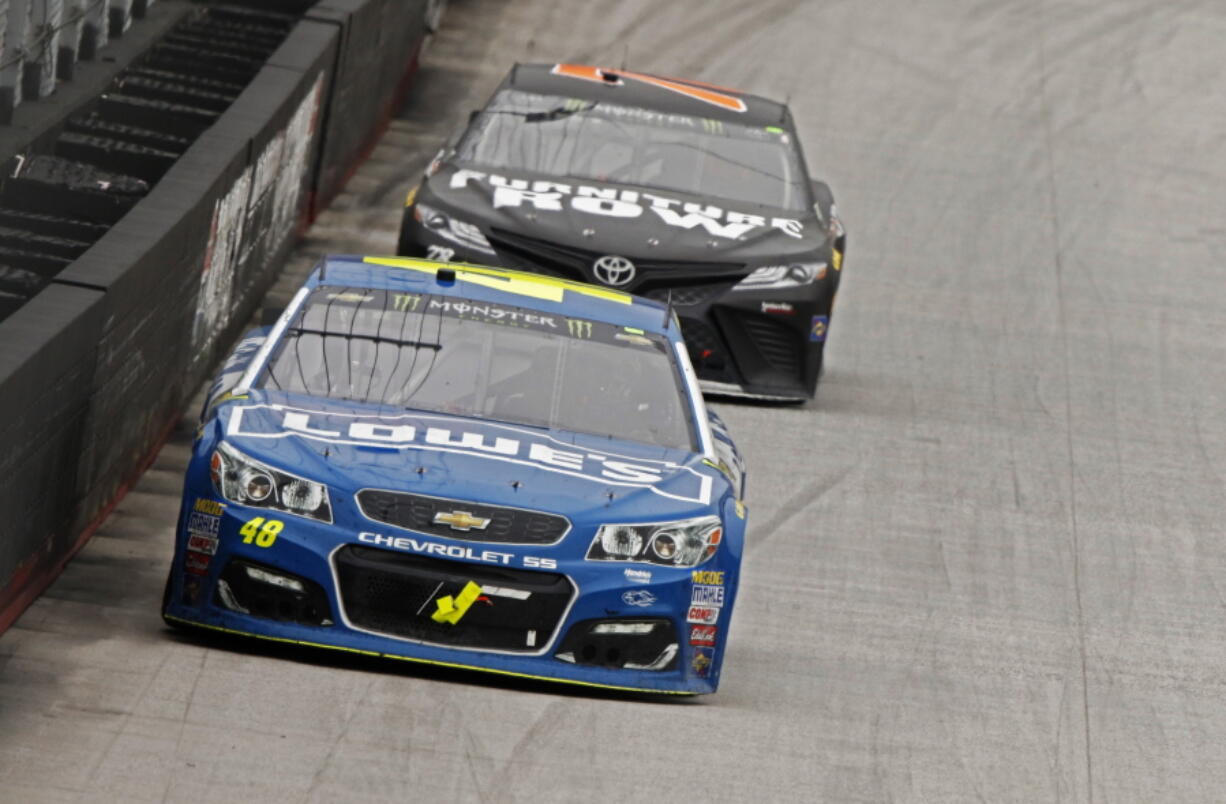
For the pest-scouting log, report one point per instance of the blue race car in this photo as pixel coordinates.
(469, 467)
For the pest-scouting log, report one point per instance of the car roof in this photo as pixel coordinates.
(659, 93)
(532, 291)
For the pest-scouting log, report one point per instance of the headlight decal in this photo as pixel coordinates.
(244, 480)
(685, 543)
(449, 228)
(779, 277)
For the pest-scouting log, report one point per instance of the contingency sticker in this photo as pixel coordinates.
(703, 635)
(707, 596)
(817, 330)
(203, 528)
(701, 661)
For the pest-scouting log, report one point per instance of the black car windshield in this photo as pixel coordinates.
(566, 137)
(490, 361)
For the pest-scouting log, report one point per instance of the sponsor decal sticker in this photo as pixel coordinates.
(506, 591)
(450, 610)
(208, 506)
(713, 577)
(579, 328)
(201, 543)
(197, 563)
(548, 196)
(402, 302)
(492, 313)
(638, 575)
(207, 524)
(778, 308)
(413, 545)
(635, 340)
(703, 635)
(707, 596)
(701, 661)
(705, 615)
(461, 520)
(817, 330)
(638, 597)
(492, 442)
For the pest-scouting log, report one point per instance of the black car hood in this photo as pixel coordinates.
(630, 221)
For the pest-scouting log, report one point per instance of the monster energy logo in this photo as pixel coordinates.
(578, 328)
(574, 104)
(712, 126)
(405, 301)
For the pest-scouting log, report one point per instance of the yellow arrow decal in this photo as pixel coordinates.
(450, 609)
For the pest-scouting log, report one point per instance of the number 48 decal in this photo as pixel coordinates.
(261, 531)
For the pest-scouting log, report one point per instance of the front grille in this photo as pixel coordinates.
(689, 295)
(576, 263)
(396, 594)
(707, 351)
(779, 344)
(506, 525)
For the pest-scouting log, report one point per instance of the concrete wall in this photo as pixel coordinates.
(96, 367)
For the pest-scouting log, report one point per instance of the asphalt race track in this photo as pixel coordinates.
(987, 564)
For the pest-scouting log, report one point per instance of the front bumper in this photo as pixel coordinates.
(377, 595)
(754, 344)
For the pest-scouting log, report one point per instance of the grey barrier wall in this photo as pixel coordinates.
(378, 57)
(45, 368)
(97, 367)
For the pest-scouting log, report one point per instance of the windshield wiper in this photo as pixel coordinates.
(363, 336)
(556, 113)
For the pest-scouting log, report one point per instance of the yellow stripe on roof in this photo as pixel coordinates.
(454, 665)
(518, 282)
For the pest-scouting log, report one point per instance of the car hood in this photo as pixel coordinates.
(355, 447)
(611, 218)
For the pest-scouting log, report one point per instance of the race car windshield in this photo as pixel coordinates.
(570, 138)
(489, 361)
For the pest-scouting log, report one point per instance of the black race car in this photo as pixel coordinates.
(663, 187)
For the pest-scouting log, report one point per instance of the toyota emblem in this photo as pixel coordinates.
(614, 270)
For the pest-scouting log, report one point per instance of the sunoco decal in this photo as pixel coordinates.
(495, 443)
(612, 202)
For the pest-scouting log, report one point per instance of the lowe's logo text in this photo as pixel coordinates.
(445, 434)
